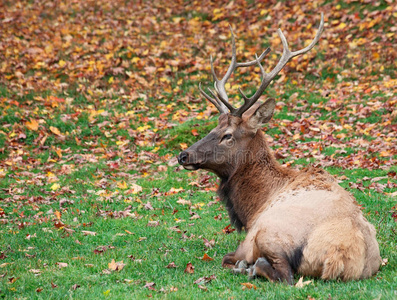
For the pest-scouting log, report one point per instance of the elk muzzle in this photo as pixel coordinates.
(184, 159)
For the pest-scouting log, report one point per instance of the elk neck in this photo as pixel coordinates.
(248, 188)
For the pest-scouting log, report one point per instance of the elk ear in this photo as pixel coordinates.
(263, 114)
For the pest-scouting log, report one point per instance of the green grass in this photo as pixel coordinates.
(161, 246)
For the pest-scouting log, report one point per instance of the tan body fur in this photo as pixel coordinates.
(319, 217)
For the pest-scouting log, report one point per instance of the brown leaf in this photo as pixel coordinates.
(206, 257)
(228, 229)
(189, 268)
(116, 266)
(204, 280)
(150, 286)
(171, 265)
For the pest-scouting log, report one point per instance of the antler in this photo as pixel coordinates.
(220, 99)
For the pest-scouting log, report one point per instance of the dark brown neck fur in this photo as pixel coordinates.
(247, 189)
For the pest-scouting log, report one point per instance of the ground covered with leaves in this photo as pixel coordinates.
(98, 97)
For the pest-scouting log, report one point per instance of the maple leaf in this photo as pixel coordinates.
(32, 125)
(122, 185)
(116, 266)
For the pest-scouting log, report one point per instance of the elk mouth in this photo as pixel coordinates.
(192, 167)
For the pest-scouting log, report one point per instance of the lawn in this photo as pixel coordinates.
(98, 98)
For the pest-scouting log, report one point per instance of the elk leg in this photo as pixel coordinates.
(229, 260)
(278, 271)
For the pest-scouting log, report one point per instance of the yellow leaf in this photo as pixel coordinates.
(55, 186)
(122, 185)
(62, 63)
(32, 125)
(106, 293)
(55, 130)
(111, 79)
(183, 146)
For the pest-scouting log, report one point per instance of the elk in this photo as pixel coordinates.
(296, 221)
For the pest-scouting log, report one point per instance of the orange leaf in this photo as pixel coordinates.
(32, 125)
(58, 214)
(206, 257)
(247, 285)
(55, 130)
(194, 132)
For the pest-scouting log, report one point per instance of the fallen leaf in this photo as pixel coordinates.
(171, 265)
(86, 232)
(61, 264)
(189, 268)
(116, 266)
(122, 185)
(228, 229)
(32, 125)
(150, 285)
(248, 285)
(57, 214)
(184, 202)
(206, 257)
(301, 283)
(55, 130)
(135, 189)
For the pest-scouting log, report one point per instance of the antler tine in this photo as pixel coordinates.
(221, 100)
(268, 77)
(214, 101)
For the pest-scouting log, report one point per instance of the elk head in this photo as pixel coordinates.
(230, 143)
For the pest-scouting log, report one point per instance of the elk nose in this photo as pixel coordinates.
(182, 158)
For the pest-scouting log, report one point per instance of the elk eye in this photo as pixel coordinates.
(226, 137)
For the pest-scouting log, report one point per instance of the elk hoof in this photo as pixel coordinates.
(260, 268)
(240, 267)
